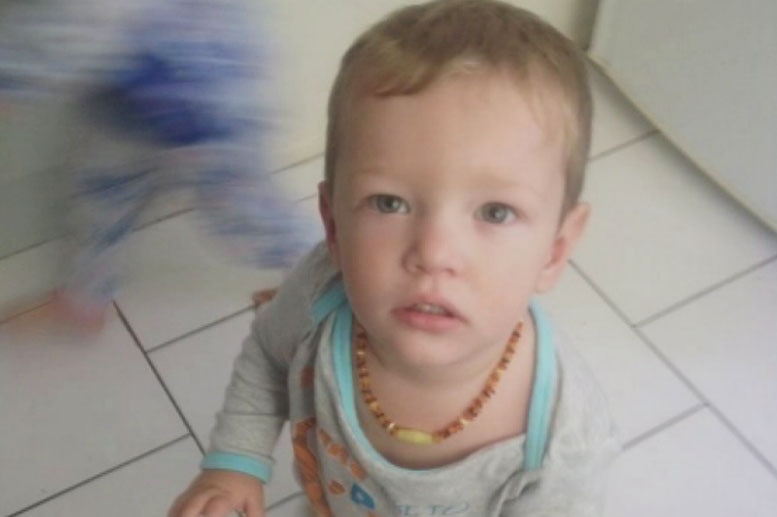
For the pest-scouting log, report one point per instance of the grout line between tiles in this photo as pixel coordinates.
(30, 247)
(621, 146)
(198, 330)
(97, 476)
(159, 379)
(768, 465)
(284, 500)
(162, 219)
(176, 213)
(601, 293)
(700, 294)
(297, 163)
(13, 315)
(684, 415)
(64, 235)
(680, 375)
(709, 404)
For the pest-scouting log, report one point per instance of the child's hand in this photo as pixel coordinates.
(215, 493)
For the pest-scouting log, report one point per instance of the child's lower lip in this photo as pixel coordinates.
(426, 321)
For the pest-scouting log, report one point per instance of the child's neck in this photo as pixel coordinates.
(440, 395)
(436, 377)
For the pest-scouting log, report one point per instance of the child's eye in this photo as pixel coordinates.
(496, 213)
(388, 204)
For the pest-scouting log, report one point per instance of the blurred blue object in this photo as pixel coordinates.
(172, 92)
(189, 65)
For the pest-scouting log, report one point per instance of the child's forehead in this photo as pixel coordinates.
(544, 98)
(467, 126)
(538, 113)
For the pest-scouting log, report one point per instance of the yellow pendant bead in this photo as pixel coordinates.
(413, 436)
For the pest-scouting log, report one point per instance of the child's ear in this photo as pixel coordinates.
(328, 218)
(569, 233)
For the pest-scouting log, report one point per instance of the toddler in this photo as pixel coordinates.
(418, 374)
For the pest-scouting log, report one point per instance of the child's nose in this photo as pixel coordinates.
(436, 247)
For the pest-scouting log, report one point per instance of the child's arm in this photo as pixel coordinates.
(239, 459)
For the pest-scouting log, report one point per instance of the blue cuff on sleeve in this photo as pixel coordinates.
(237, 463)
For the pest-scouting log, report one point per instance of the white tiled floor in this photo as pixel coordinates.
(671, 299)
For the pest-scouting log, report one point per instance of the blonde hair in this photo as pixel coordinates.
(416, 45)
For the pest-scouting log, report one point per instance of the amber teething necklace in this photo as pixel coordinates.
(417, 436)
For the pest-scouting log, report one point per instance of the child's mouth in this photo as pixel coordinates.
(428, 317)
(428, 308)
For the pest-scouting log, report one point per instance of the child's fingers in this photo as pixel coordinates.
(191, 504)
(179, 505)
(184, 507)
(218, 506)
(253, 508)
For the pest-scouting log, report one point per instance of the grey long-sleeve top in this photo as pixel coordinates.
(296, 366)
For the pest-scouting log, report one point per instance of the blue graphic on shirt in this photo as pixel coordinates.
(362, 498)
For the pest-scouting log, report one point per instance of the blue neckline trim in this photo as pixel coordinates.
(328, 302)
(543, 390)
(334, 301)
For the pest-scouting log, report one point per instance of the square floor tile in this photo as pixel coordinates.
(145, 487)
(694, 468)
(642, 391)
(32, 209)
(726, 345)
(616, 120)
(36, 136)
(179, 281)
(197, 369)
(27, 277)
(73, 407)
(661, 232)
(301, 181)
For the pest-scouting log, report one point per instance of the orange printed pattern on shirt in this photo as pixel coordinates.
(309, 468)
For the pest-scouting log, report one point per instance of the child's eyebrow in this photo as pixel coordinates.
(370, 169)
(527, 191)
(365, 172)
(486, 177)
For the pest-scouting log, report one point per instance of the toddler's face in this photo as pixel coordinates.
(444, 216)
